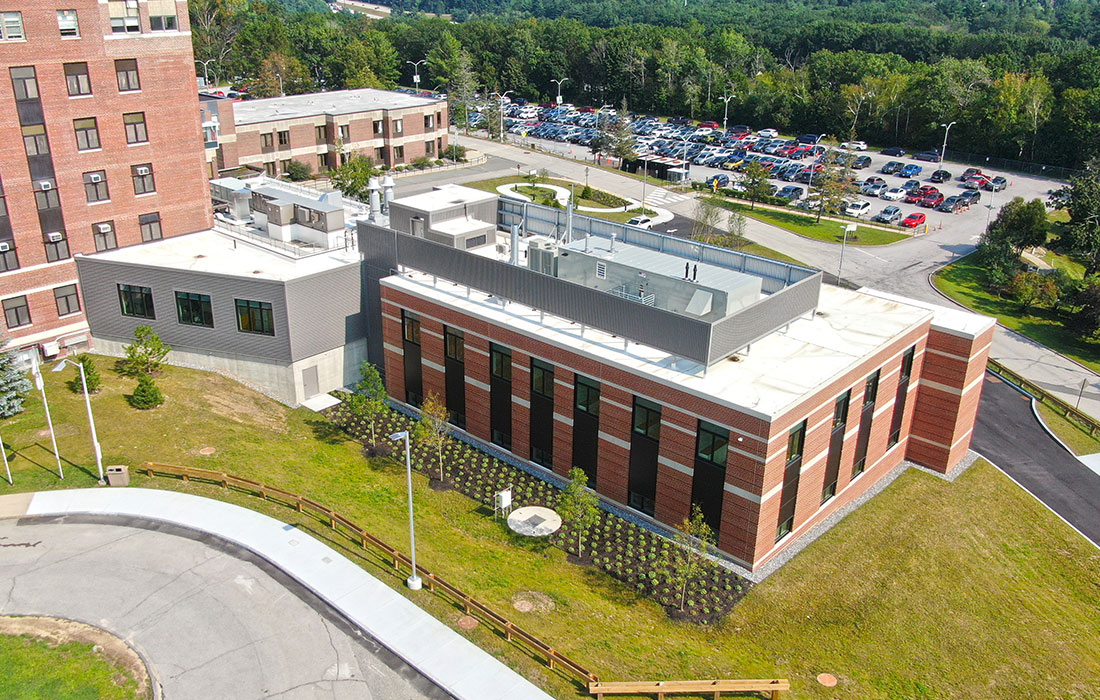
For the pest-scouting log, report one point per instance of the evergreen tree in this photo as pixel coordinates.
(147, 394)
(146, 353)
(14, 384)
(370, 400)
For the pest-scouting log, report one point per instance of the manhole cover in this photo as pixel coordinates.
(467, 622)
(826, 679)
(532, 602)
(208, 451)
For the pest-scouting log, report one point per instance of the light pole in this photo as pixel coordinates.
(502, 95)
(559, 82)
(37, 372)
(726, 109)
(413, 581)
(205, 72)
(850, 228)
(416, 72)
(946, 131)
(88, 405)
(7, 468)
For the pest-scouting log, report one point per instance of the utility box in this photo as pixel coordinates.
(118, 475)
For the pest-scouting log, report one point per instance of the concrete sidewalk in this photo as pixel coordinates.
(438, 652)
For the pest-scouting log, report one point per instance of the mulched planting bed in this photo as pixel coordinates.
(624, 550)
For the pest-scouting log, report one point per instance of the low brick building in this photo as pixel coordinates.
(322, 129)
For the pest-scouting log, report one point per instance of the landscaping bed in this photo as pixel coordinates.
(806, 225)
(626, 551)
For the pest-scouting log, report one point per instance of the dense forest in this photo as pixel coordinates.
(1020, 78)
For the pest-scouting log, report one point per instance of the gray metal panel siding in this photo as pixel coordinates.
(99, 280)
(764, 317)
(379, 250)
(325, 311)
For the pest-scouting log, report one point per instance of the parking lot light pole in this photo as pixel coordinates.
(946, 131)
(7, 467)
(559, 81)
(41, 385)
(413, 581)
(88, 405)
(726, 109)
(416, 72)
(502, 95)
(850, 228)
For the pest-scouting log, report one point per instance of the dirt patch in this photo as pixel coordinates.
(532, 602)
(467, 622)
(247, 408)
(207, 451)
(57, 631)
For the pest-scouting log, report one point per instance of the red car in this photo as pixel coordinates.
(913, 220)
(709, 125)
(933, 200)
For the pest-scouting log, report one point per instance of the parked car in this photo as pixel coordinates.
(931, 155)
(932, 200)
(975, 182)
(810, 138)
(894, 194)
(971, 197)
(791, 192)
(913, 220)
(741, 129)
(861, 162)
(854, 145)
(940, 176)
(950, 205)
(892, 167)
(719, 180)
(889, 215)
(910, 185)
(859, 208)
(893, 151)
(766, 133)
(910, 170)
(970, 172)
(710, 125)
(874, 180)
(641, 222)
(996, 184)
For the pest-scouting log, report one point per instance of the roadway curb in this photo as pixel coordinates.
(1035, 412)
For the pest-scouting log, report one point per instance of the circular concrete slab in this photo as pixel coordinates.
(534, 521)
(208, 450)
(826, 679)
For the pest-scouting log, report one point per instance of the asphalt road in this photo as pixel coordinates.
(213, 620)
(1008, 434)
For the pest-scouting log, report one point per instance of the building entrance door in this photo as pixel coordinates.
(310, 384)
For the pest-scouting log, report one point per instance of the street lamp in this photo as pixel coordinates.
(850, 228)
(205, 72)
(88, 405)
(559, 82)
(416, 71)
(946, 131)
(37, 372)
(502, 95)
(413, 581)
(726, 109)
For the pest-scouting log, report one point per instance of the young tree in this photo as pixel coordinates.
(370, 400)
(757, 185)
(686, 558)
(14, 385)
(91, 376)
(705, 219)
(147, 394)
(834, 187)
(579, 506)
(622, 135)
(353, 177)
(297, 171)
(146, 353)
(432, 429)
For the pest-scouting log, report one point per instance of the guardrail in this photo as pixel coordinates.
(1082, 420)
(663, 688)
(343, 525)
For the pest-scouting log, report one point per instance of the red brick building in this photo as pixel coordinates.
(99, 148)
(322, 130)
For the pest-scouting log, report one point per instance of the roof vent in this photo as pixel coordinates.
(257, 272)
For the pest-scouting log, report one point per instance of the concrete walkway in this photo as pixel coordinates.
(436, 651)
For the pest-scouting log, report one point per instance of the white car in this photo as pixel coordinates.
(642, 222)
(854, 145)
(767, 133)
(894, 194)
(857, 208)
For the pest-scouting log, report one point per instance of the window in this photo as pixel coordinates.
(322, 162)
(255, 317)
(11, 28)
(647, 418)
(712, 444)
(162, 15)
(67, 23)
(345, 133)
(124, 16)
(77, 80)
(68, 301)
(380, 155)
(284, 138)
(454, 343)
(398, 154)
(45, 194)
(871, 390)
(784, 528)
(828, 492)
(397, 126)
(796, 442)
(103, 234)
(126, 70)
(35, 141)
(95, 186)
(542, 378)
(587, 395)
(143, 178)
(194, 309)
(8, 259)
(542, 457)
(57, 247)
(16, 312)
(378, 127)
(320, 134)
(476, 241)
(136, 131)
(267, 141)
(429, 148)
(87, 134)
(907, 364)
(24, 83)
(500, 362)
(410, 327)
(269, 168)
(3, 201)
(284, 165)
(150, 226)
(840, 410)
(429, 122)
(136, 301)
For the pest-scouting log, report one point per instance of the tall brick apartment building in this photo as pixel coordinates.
(671, 372)
(322, 129)
(99, 148)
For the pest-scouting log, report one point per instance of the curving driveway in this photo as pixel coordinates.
(213, 620)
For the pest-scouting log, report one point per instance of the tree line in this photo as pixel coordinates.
(1029, 97)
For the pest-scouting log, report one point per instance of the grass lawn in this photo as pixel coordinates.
(35, 670)
(803, 225)
(964, 281)
(964, 590)
(536, 193)
(1077, 439)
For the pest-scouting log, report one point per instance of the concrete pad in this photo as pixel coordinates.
(320, 402)
(14, 505)
(1090, 461)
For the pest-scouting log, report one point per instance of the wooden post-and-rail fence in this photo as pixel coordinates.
(774, 686)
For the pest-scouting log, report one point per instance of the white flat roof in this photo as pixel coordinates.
(777, 372)
(965, 324)
(222, 254)
(317, 103)
(445, 197)
(457, 227)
